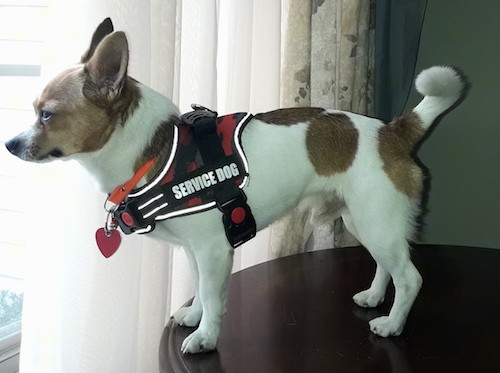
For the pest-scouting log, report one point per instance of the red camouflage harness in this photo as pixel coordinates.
(206, 168)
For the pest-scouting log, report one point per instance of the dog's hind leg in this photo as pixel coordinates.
(383, 232)
(407, 282)
(374, 295)
(214, 264)
(190, 315)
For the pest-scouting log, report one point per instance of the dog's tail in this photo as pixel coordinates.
(442, 87)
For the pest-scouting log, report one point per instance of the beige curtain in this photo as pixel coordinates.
(327, 61)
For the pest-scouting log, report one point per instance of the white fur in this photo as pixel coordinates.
(442, 86)
(282, 176)
(380, 216)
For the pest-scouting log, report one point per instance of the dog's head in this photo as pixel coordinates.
(79, 109)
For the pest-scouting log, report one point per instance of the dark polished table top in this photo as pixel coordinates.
(295, 314)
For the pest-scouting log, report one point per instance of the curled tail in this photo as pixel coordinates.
(442, 87)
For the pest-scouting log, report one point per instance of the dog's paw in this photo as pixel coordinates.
(187, 316)
(368, 298)
(198, 341)
(384, 327)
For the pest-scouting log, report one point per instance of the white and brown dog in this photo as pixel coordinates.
(112, 125)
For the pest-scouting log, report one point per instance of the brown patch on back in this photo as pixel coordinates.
(331, 139)
(332, 142)
(291, 116)
(396, 142)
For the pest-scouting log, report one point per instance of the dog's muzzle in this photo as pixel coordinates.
(14, 146)
(18, 147)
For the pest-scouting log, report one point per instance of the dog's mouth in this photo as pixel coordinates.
(56, 153)
(53, 154)
(31, 153)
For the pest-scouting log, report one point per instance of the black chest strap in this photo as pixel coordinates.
(237, 218)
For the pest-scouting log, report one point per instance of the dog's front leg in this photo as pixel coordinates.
(190, 315)
(214, 265)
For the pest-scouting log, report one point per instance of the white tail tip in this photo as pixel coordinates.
(440, 81)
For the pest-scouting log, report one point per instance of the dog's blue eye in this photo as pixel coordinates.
(45, 115)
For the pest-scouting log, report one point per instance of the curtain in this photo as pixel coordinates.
(398, 27)
(84, 313)
(328, 54)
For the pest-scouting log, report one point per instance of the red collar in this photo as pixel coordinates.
(122, 191)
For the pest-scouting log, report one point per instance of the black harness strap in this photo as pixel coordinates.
(237, 217)
(136, 214)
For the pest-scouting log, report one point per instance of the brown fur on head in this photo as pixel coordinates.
(79, 109)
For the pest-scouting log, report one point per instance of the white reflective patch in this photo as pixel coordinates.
(150, 201)
(188, 210)
(240, 150)
(149, 228)
(152, 212)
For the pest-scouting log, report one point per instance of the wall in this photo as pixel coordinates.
(463, 153)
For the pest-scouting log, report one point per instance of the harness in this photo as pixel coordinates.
(206, 168)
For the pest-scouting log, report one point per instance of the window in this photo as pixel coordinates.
(20, 67)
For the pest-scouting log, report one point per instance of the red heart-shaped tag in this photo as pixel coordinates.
(108, 243)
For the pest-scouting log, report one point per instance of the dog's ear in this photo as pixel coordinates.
(106, 70)
(104, 29)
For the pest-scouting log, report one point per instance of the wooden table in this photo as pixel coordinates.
(295, 314)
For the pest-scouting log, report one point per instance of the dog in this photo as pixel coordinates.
(346, 165)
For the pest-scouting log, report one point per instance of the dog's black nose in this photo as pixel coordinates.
(13, 145)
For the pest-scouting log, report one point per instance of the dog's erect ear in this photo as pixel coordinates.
(106, 70)
(104, 29)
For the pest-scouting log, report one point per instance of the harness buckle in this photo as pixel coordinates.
(130, 221)
(237, 218)
(199, 112)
